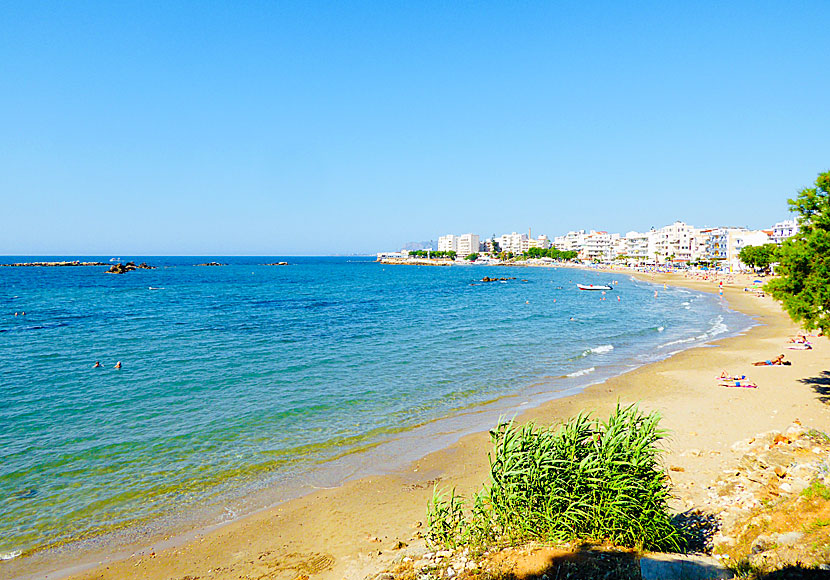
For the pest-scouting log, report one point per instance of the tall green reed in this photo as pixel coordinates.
(586, 479)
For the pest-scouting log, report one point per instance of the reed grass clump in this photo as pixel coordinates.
(586, 479)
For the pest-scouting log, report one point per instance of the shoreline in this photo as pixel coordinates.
(352, 538)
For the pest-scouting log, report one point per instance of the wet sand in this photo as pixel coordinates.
(355, 530)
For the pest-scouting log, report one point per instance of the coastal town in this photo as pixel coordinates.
(677, 244)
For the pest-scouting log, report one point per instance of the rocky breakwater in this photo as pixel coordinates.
(120, 268)
(53, 264)
(772, 508)
(212, 264)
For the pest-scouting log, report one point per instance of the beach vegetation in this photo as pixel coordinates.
(585, 479)
(759, 257)
(471, 257)
(804, 259)
(817, 489)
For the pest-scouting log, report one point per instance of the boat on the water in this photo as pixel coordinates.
(594, 287)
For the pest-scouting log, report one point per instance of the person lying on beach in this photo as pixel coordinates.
(799, 339)
(745, 385)
(801, 346)
(728, 377)
(779, 360)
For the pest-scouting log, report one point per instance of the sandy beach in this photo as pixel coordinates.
(358, 529)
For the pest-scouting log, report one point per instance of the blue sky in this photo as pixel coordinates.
(281, 128)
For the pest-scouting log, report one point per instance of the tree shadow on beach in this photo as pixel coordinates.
(584, 562)
(698, 529)
(821, 385)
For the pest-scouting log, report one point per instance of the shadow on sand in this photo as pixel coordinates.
(821, 385)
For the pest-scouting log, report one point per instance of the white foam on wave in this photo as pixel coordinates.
(678, 341)
(581, 372)
(10, 555)
(599, 349)
(660, 329)
(718, 327)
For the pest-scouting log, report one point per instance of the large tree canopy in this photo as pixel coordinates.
(759, 256)
(804, 259)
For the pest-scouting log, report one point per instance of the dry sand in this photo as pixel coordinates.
(352, 531)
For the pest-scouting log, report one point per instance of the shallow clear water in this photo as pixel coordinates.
(247, 373)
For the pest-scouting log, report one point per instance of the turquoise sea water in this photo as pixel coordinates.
(245, 376)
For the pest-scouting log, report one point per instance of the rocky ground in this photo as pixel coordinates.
(773, 507)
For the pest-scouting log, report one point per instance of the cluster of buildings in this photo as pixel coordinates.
(467, 244)
(677, 244)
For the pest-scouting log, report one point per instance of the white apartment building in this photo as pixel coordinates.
(467, 244)
(674, 242)
(640, 247)
(448, 243)
(591, 246)
(783, 230)
(596, 247)
(462, 245)
(699, 241)
(725, 245)
(570, 242)
(739, 239)
(516, 243)
(540, 242)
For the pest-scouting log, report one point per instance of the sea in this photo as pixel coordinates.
(244, 384)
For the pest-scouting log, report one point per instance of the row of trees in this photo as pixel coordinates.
(803, 286)
(531, 253)
(550, 253)
(433, 254)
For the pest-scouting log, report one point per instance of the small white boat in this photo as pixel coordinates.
(594, 287)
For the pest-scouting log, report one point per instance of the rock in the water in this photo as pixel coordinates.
(119, 268)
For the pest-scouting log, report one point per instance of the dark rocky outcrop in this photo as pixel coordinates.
(120, 268)
(211, 264)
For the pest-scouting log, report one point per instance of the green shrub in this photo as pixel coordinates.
(585, 480)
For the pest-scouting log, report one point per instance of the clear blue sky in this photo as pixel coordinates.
(338, 127)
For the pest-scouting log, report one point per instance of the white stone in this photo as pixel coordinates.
(688, 567)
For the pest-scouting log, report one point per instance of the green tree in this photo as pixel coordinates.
(496, 248)
(804, 259)
(472, 257)
(759, 256)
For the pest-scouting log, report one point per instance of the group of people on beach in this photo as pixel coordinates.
(798, 342)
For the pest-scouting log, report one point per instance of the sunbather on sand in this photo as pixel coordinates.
(728, 377)
(744, 384)
(779, 360)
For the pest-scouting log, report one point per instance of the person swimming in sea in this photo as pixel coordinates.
(97, 364)
(117, 365)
